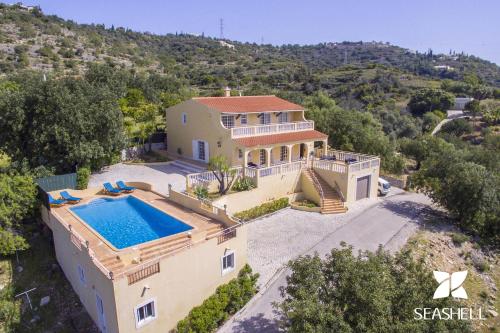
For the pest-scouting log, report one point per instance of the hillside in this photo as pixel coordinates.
(30, 39)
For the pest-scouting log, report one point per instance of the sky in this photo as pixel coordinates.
(471, 26)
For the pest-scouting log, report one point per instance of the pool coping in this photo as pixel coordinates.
(132, 247)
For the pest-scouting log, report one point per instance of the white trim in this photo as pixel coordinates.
(139, 324)
(229, 269)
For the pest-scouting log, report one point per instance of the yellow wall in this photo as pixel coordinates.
(69, 257)
(203, 124)
(309, 191)
(269, 188)
(185, 280)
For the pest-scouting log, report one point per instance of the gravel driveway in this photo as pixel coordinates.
(160, 175)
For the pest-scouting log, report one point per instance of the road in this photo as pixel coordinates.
(389, 223)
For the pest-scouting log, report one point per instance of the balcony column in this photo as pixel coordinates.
(325, 147)
(245, 161)
(268, 157)
(289, 147)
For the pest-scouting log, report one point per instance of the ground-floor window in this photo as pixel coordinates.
(81, 274)
(284, 153)
(145, 312)
(240, 154)
(262, 156)
(201, 150)
(227, 262)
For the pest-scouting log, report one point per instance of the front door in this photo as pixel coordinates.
(362, 187)
(101, 317)
(200, 150)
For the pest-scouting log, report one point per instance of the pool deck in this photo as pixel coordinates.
(118, 261)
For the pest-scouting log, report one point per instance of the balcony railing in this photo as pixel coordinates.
(343, 161)
(246, 131)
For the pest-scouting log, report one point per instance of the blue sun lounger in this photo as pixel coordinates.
(55, 202)
(108, 188)
(121, 185)
(68, 197)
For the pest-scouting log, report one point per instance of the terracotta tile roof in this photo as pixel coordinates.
(241, 104)
(265, 140)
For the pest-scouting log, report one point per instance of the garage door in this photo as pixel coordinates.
(362, 187)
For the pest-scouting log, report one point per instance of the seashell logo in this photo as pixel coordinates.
(450, 284)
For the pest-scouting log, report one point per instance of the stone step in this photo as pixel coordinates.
(163, 251)
(166, 240)
(164, 245)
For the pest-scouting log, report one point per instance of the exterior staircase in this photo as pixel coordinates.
(331, 202)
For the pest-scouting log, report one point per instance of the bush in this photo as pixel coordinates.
(459, 238)
(481, 265)
(82, 178)
(266, 208)
(243, 184)
(201, 192)
(226, 301)
(457, 127)
(306, 203)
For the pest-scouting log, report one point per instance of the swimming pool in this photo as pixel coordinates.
(128, 221)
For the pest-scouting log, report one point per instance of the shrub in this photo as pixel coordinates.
(82, 178)
(226, 301)
(481, 265)
(459, 238)
(243, 184)
(266, 208)
(457, 127)
(201, 192)
(307, 203)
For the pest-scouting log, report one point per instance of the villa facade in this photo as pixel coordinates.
(269, 140)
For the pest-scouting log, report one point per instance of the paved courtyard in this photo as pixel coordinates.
(160, 175)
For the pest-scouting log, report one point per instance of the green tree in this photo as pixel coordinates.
(475, 108)
(491, 112)
(371, 292)
(59, 122)
(225, 175)
(430, 120)
(457, 127)
(17, 200)
(426, 100)
(453, 179)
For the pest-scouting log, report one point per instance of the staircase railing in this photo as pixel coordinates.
(317, 185)
(339, 191)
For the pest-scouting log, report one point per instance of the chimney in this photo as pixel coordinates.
(227, 92)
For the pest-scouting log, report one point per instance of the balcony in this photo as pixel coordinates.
(269, 129)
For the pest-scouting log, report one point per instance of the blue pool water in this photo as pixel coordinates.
(128, 221)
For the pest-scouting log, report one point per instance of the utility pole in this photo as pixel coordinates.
(221, 27)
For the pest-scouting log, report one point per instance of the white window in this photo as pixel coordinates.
(262, 156)
(145, 312)
(284, 153)
(227, 262)
(81, 275)
(184, 119)
(227, 121)
(283, 117)
(265, 118)
(244, 119)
